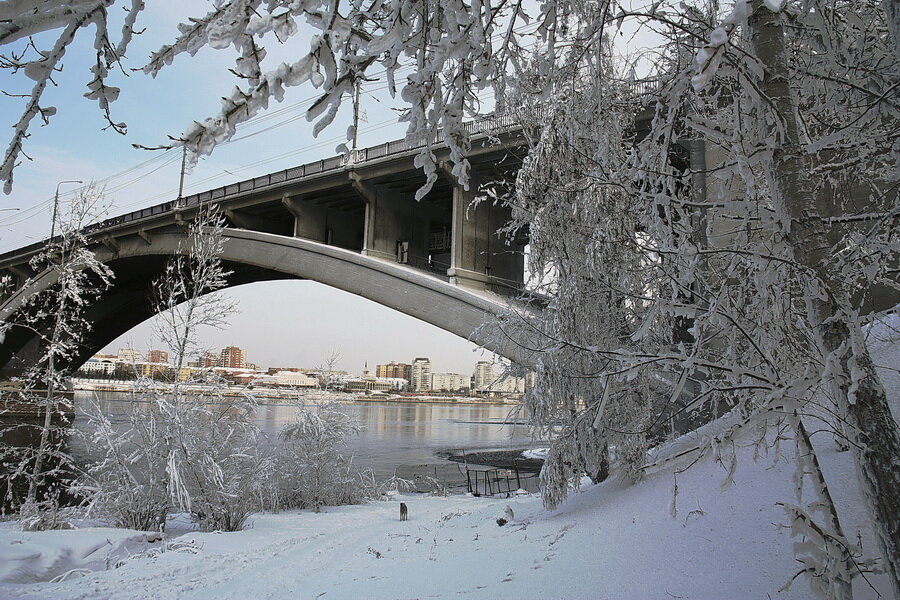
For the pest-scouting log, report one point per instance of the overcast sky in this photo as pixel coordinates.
(288, 323)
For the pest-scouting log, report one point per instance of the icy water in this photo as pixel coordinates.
(394, 434)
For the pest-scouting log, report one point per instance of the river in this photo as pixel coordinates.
(393, 434)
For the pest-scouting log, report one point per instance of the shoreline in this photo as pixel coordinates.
(500, 459)
(290, 394)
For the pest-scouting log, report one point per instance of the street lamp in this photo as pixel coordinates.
(56, 204)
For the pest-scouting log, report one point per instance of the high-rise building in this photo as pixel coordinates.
(233, 357)
(394, 370)
(484, 375)
(420, 377)
(450, 382)
(157, 356)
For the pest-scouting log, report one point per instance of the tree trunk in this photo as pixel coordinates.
(877, 442)
(892, 14)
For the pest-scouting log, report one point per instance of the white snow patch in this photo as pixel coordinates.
(612, 540)
(536, 453)
(29, 557)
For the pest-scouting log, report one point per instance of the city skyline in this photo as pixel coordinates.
(223, 358)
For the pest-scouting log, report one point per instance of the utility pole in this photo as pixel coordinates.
(56, 204)
(181, 180)
(358, 84)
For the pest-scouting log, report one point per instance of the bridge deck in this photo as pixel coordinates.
(479, 130)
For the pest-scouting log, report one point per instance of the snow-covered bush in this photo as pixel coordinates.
(128, 486)
(45, 515)
(215, 467)
(387, 489)
(311, 470)
(220, 466)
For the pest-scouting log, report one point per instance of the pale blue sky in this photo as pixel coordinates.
(280, 323)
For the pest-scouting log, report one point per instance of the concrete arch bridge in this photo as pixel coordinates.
(350, 224)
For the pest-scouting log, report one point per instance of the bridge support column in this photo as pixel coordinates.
(391, 221)
(382, 228)
(480, 257)
(310, 221)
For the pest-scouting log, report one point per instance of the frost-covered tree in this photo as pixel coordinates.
(56, 315)
(21, 21)
(194, 452)
(756, 217)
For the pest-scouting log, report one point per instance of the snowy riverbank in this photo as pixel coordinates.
(289, 395)
(609, 541)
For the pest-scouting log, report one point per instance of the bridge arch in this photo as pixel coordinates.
(258, 256)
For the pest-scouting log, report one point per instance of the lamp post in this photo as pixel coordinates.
(56, 204)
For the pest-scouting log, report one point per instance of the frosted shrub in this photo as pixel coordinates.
(312, 472)
(202, 458)
(391, 487)
(217, 466)
(44, 515)
(128, 485)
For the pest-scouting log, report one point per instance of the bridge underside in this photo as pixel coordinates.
(256, 256)
(121, 308)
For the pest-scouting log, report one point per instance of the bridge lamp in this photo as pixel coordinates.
(56, 204)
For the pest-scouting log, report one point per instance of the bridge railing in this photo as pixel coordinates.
(484, 125)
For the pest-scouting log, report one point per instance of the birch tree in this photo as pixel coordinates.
(742, 279)
(57, 317)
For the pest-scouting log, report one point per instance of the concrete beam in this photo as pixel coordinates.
(145, 236)
(111, 243)
(310, 220)
(252, 222)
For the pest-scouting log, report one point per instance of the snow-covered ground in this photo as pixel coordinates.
(611, 541)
